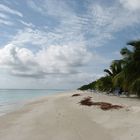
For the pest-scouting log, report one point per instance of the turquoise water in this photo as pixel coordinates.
(11, 99)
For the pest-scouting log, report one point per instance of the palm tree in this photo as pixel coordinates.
(115, 68)
(124, 73)
(104, 83)
(129, 77)
(134, 67)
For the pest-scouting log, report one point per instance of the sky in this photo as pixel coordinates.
(62, 44)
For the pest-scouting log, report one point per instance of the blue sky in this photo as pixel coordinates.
(62, 43)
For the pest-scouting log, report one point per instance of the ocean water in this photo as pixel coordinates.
(12, 99)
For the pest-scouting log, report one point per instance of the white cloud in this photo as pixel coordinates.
(4, 16)
(52, 60)
(5, 22)
(27, 24)
(70, 24)
(28, 35)
(96, 26)
(131, 4)
(63, 59)
(62, 49)
(6, 9)
(36, 37)
(105, 21)
(52, 7)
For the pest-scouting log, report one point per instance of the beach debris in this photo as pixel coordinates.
(108, 107)
(74, 95)
(117, 106)
(103, 105)
(86, 101)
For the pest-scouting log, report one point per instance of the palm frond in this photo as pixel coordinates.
(134, 43)
(108, 72)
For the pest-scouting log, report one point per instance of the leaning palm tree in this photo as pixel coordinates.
(115, 68)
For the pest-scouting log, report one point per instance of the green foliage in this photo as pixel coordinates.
(104, 84)
(135, 87)
(118, 80)
(123, 73)
(115, 68)
(89, 86)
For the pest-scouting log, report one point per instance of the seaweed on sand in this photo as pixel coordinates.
(86, 101)
(103, 105)
(74, 95)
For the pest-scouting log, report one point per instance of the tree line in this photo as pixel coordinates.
(122, 75)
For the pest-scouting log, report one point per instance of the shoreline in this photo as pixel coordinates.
(61, 117)
(16, 104)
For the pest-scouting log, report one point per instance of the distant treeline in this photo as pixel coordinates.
(122, 75)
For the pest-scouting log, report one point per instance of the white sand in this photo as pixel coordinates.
(60, 117)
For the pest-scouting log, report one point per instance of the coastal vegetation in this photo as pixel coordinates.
(122, 75)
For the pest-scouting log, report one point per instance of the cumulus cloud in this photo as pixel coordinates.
(52, 60)
(17, 59)
(62, 43)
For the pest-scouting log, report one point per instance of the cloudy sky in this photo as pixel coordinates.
(62, 43)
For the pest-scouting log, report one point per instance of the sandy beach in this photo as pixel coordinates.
(61, 117)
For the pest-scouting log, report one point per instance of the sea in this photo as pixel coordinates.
(13, 99)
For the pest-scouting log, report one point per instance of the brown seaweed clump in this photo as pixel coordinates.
(108, 107)
(103, 105)
(74, 95)
(86, 101)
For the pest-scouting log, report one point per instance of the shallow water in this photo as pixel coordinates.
(11, 99)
